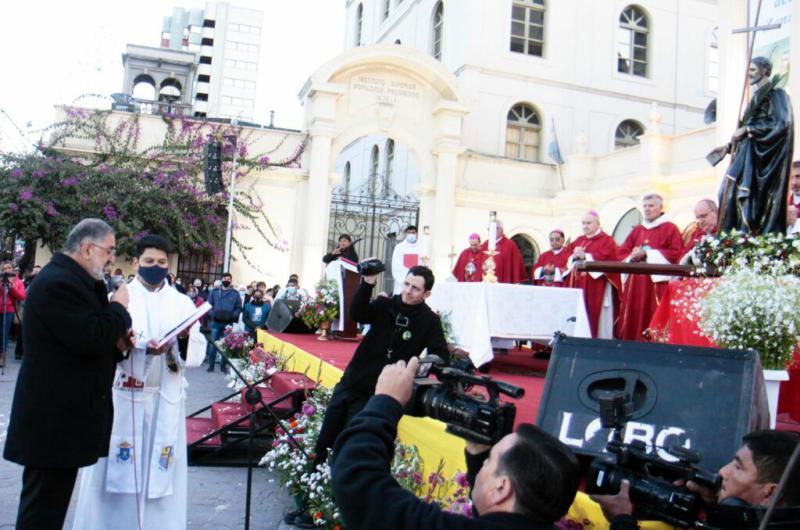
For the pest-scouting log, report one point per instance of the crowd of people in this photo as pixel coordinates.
(119, 413)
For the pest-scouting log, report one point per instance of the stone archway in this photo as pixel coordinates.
(388, 90)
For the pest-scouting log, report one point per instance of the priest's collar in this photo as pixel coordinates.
(557, 252)
(593, 235)
(658, 221)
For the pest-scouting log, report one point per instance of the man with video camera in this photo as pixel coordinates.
(528, 480)
(750, 480)
(401, 327)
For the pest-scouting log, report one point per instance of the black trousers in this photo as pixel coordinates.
(341, 408)
(45, 498)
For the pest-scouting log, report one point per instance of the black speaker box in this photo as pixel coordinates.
(281, 318)
(704, 399)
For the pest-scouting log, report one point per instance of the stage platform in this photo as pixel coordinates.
(326, 361)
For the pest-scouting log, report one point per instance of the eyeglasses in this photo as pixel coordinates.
(112, 251)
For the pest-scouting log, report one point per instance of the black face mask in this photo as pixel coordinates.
(226, 283)
(257, 301)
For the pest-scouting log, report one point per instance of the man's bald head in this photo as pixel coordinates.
(705, 213)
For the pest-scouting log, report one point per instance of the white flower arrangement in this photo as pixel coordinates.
(753, 305)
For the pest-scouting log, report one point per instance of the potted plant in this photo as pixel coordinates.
(754, 306)
(321, 309)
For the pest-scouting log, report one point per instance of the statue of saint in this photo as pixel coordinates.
(754, 194)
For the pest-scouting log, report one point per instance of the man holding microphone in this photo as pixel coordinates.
(73, 337)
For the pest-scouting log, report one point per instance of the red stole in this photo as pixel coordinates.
(602, 247)
(640, 296)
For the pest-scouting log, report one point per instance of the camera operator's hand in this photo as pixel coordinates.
(396, 379)
(619, 504)
(708, 495)
(121, 295)
(475, 448)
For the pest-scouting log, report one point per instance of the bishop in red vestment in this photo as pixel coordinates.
(794, 196)
(509, 267)
(656, 240)
(705, 215)
(469, 267)
(550, 267)
(600, 290)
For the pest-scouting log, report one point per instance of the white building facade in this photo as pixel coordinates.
(535, 69)
(227, 43)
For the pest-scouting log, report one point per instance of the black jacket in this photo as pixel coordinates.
(62, 412)
(349, 253)
(369, 497)
(387, 342)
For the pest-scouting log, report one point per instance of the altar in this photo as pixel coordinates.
(480, 311)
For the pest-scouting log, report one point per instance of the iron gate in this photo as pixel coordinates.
(373, 219)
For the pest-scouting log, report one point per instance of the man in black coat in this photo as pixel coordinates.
(62, 413)
(401, 327)
(527, 481)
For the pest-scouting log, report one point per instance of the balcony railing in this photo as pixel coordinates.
(126, 103)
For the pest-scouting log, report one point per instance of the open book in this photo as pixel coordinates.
(185, 324)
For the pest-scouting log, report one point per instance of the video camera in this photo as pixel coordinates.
(445, 399)
(371, 267)
(652, 488)
(6, 277)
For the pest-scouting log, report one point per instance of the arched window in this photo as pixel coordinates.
(389, 167)
(523, 133)
(632, 42)
(347, 178)
(626, 225)
(627, 134)
(373, 170)
(359, 24)
(712, 79)
(386, 7)
(528, 248)
(437, 31)
(527, 27)
(144, 87)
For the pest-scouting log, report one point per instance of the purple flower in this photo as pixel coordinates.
(109, 212)
(84, 200)
(102, 168)
(37, 174)
(16, 172)
(461, 480)
(51, 209)
(13, 207)
(417, 478)
(308, 409)
(26, 194)
(70, 181)
(264, 160)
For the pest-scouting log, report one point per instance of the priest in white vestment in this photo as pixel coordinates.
(407, 254)
(142, 482)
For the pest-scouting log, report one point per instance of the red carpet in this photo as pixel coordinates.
(518, 367)
(511, 368)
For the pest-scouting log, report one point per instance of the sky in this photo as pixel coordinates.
(52, 51)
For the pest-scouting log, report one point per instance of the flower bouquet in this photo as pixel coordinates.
(323, 306)
(721, 251)
(235, 344)
(260, 364)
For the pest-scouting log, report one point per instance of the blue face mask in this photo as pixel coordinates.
(411, 238)
(154, 274)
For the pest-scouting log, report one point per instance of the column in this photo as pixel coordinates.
(444, 202)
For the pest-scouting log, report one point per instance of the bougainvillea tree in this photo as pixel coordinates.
(137, 189)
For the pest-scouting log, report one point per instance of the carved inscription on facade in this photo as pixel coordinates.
(383, 90)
